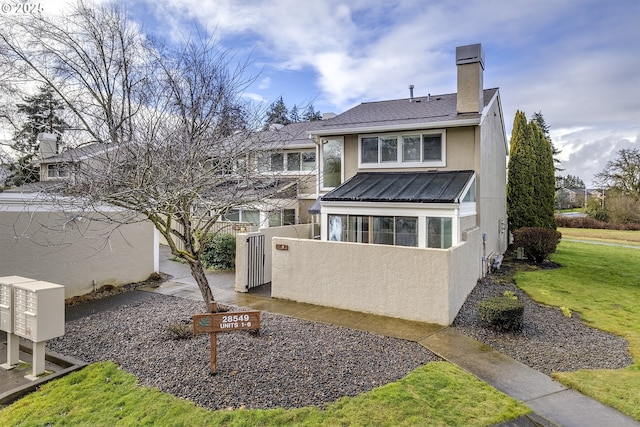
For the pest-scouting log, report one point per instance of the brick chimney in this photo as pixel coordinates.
(48, 144)
(470, 64)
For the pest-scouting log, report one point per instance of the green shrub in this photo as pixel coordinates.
(219, 251)
(501, 312)
(596, 211)
(538, 242)
(510, 294)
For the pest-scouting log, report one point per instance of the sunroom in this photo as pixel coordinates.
(426, 209)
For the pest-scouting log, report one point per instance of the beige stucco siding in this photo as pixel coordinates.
(302, 231)
(350, 156)
(460, 153)
(461, 145)
(409, 283)
(72, 250)
(492, 188)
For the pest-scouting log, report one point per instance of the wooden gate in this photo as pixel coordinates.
(255, 260)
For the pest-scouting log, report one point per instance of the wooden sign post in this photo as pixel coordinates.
(213, 323)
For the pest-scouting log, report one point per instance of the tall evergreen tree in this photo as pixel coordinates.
(544, 179)
(531, 178)
(538, 118)
(294, 115)
(42, 114)
(520, 181)
(311, 115)
(278, 113)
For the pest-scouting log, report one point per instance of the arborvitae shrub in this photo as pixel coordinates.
(502, 313)
(219, 252)
(538, 242)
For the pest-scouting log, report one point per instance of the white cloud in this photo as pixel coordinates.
(575, 61)
(265, 83)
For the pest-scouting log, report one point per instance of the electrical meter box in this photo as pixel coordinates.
(38, 310)
(6, 300)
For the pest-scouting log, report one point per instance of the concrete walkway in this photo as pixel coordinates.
(553, 404)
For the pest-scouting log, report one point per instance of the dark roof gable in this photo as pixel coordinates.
(398, 112)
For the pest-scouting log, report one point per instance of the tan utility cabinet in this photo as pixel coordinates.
(38, 315)
(6, 300)
(38, 310)
(7, 317)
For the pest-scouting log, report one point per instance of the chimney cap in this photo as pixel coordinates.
(469, 54)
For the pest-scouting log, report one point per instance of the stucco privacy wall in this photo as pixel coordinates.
(426, 285)
(302, 231)
(465, 269)
(72, 250)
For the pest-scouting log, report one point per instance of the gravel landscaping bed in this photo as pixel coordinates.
(295, 363)
(549, 341)
(291, 363)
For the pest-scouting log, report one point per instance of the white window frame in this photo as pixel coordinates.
(280, 214)
(400, 163)
(58, 171)
(451, 211)
(321, 162)
(264, 162)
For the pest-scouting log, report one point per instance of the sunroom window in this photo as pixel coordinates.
(381, 230)
(470, 195)
(439, 232)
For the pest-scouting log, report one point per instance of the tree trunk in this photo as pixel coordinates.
(197, 271)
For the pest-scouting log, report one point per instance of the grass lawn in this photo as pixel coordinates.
(436, 394)
(602, 283)
(624, 237)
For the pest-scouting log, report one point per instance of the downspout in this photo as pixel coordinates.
(484, 254)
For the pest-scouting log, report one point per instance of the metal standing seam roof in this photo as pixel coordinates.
(412, 187)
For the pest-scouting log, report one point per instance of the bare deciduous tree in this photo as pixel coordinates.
(623, 173)
(169, 122)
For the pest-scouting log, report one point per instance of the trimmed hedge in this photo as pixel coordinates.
(586, 222)
(503, 313)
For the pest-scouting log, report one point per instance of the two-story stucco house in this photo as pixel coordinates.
(412, 203)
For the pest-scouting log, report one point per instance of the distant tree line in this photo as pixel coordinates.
(278, 113)
(571, 182)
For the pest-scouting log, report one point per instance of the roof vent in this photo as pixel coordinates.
(410, 93)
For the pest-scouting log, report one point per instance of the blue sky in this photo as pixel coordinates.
(576, 61)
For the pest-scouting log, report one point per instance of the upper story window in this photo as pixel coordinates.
(57, 171)
(331, 163)
(403, 150)
(298, 161)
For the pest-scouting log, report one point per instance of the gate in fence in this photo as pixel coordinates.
(255, 260)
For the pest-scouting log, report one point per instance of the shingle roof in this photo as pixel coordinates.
(412, 187)
(77, 153)
(394, 113)
(293, 135)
